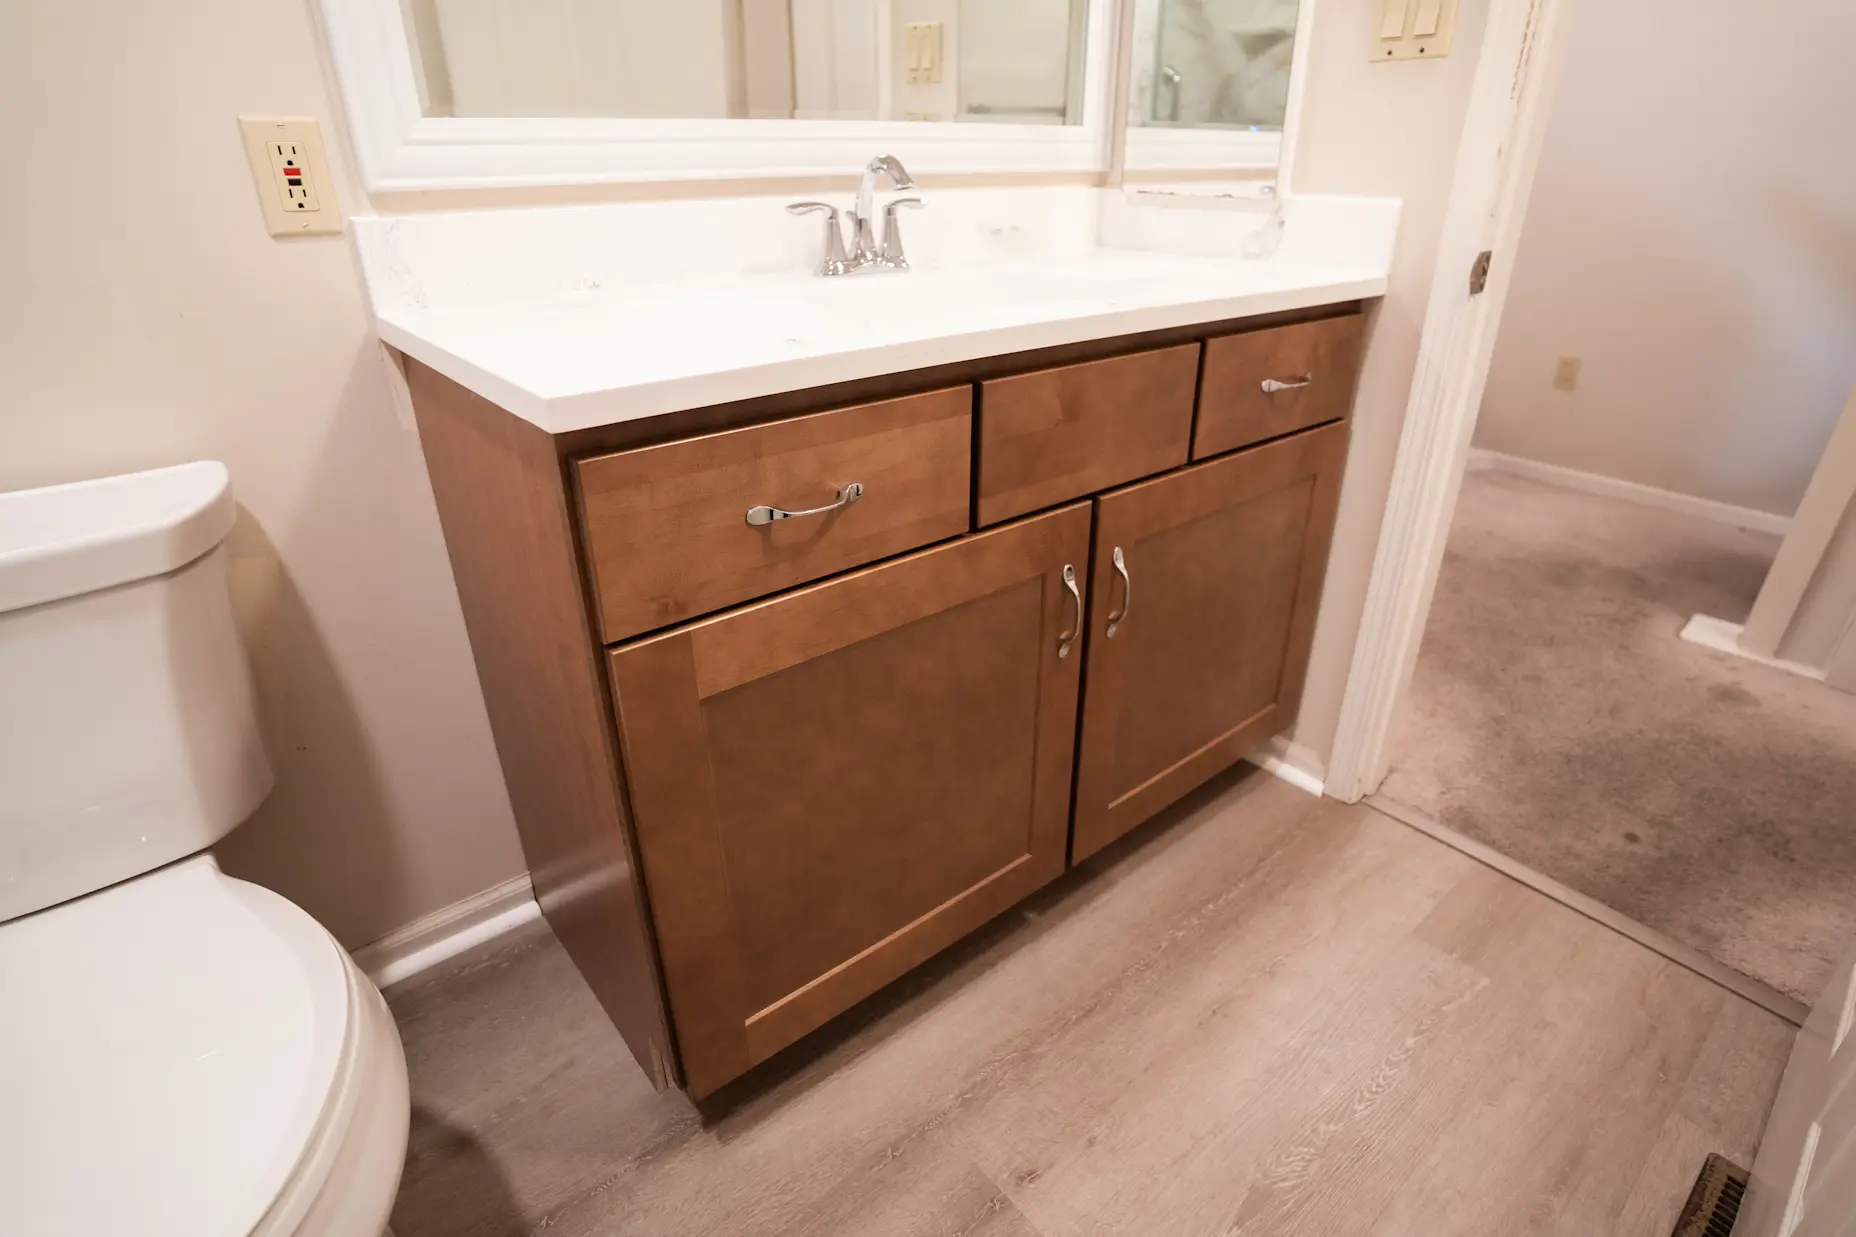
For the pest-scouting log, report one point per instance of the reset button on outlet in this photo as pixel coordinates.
(291, 173)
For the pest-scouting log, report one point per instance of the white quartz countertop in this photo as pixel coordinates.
(597, 356)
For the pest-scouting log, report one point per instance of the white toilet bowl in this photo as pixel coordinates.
(185, 1053)
(181, 1054)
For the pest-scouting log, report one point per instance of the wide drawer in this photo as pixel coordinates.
(1057, 434)
(1263, 384)
(667, 528)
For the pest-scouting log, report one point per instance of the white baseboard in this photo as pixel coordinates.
(1724, 637)
(1292, 763)
(448, 932)
(1483, 460)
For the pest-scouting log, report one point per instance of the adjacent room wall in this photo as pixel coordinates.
(1692, 236)
(148, 319)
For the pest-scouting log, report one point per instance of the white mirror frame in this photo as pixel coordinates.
(400, 149)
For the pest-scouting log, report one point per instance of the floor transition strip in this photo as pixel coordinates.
(1767, 998)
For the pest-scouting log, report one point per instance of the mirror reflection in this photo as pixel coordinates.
(1212, 64)
(982, 61)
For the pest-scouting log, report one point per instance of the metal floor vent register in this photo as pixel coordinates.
(1715, 1200)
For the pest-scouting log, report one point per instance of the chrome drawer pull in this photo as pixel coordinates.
(1076, 629)
(767, 515)
(1271, 386)
(1127, 594)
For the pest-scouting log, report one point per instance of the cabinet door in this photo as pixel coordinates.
(830, 786)
(1199, 636)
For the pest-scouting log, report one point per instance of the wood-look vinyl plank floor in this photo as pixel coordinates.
(1262, 1014)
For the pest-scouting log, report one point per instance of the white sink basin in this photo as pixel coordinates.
(573, 317)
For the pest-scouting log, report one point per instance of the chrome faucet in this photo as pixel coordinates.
(863, 227)
(865, 250)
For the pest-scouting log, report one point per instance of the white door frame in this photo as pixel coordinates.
(1506, 125)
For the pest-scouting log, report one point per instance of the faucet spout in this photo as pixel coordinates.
(864, 250)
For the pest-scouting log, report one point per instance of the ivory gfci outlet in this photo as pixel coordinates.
(291, 173)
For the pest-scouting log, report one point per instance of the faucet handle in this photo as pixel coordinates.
(892, 233)
(834, 262)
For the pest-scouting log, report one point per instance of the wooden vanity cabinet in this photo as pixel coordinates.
(762, 768)
(1204, 588)
(833, 785)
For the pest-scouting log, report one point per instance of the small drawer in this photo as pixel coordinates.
(1262, 384)
(1057, 434)
(667, 527)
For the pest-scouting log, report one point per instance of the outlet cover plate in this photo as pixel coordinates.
(291, 174)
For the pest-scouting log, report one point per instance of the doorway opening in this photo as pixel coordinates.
(1650, 384)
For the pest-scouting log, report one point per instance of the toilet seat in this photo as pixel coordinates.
(178, 1054)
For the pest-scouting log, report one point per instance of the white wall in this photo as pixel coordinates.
(1692, 236)
(590, 57)
(1393, 129)
(148, 319)
(834, 49)
(1015, 57)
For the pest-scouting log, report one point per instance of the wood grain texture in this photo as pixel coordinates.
(1226, 561)
(833, 785)
(1275, 1015)
(1235, 411)
(1056, 434)
(765, 408)
(666, 533)
(502, 502)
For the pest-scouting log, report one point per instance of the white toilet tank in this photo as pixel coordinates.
(128, 723)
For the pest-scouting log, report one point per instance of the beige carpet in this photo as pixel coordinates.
(1556, 716)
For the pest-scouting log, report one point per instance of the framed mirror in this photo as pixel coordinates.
(446, 94)
(1209, 83)
(920, 61)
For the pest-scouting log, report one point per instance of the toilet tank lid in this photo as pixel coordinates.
(65, 540)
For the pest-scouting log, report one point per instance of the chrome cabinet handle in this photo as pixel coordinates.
(767, 515)
(1271, 386)
(1127, 594)
(1076, 595)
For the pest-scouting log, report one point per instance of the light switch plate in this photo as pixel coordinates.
(924, 43)
(1413, 29)
(291, 174)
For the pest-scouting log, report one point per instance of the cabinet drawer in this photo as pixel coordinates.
(1058, 434)
(832, 785)
(667, 531)
(1319, 363)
